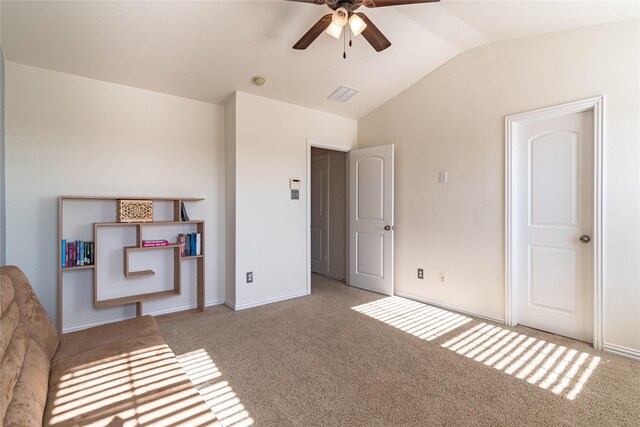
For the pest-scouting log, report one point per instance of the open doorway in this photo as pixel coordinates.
(328, 213)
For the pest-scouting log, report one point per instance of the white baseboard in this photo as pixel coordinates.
(622, 351)
(150, 313)
(258, 303)
(213, 302)
(230, 303)
(74, 328)
(182, 308)
(449, 306)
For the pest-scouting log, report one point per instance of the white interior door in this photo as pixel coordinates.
(371, 219)
(319, 213)
(554, 256)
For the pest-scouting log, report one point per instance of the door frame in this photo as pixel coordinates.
(596, 105)
(318, 143)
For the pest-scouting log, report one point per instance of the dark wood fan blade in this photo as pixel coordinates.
(373, 35)
(308, 1)
(383, 3)
(313, 33)
(328, 2)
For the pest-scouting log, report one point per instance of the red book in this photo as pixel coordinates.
(153, 243)
(180, 241)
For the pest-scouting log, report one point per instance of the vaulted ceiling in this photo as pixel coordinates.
(207, 50)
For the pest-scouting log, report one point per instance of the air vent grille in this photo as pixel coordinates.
(342, 94)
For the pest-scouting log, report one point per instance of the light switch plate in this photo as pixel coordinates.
(443, 177)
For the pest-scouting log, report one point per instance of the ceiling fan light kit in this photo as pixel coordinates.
(359, 23)
(334, 30)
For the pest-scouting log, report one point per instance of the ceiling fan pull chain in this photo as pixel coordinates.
(350, 39)
(344, 46)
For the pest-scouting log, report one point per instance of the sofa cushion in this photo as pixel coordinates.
(137, 381)
(11, 365)
(32, 315)
(86, 339)
(28, 341)
(30, 391)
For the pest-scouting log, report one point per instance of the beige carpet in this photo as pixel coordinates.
(344, 356)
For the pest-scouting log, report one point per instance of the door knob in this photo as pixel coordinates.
(585, 239)
(387, 227)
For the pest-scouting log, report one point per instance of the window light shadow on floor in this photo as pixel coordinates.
(420, 320)
(552, 367)
(561, 370)
(140, 388)
(206, 377)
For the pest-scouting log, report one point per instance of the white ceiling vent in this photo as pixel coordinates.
(342, 94)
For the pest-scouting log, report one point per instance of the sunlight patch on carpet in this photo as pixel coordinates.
(218, 394)
(421, 320)
(141, 387)
(563, 371)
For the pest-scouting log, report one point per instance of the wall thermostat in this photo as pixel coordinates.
(294, 184)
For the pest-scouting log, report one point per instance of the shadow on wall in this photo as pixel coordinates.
(561, 370)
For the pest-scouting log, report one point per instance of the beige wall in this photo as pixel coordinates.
(453, 120)
(72, 135)
(271, 229)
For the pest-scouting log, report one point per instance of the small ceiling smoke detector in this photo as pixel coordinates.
(258, 80)
(342, 94)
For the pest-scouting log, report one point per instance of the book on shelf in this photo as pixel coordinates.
(181, 242)
(154, 243)
(77, 253)
(190, 244)
(81, 252)
(183, 212)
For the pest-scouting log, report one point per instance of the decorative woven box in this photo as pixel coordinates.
(134, 211)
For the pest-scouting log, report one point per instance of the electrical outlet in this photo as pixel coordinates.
(420, 273)
(250, 277)
(443, 277)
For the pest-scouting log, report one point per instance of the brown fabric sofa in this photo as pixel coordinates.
(120, 374)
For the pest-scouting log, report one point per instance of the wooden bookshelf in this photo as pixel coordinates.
(137, 299)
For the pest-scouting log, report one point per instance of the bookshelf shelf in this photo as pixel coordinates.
(176, 247)
(78, 267)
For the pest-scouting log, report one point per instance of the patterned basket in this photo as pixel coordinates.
(134, 211)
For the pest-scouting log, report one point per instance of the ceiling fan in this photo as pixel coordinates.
(343, 13)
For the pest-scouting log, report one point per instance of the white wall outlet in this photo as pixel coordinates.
(443, 177)
(443, 277)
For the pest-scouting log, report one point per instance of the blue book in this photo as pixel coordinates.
(81, 253)
(64, 253)
(193, 244)
(187, 245)
(86, 253)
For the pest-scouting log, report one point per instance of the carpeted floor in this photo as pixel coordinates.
(344, 356)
